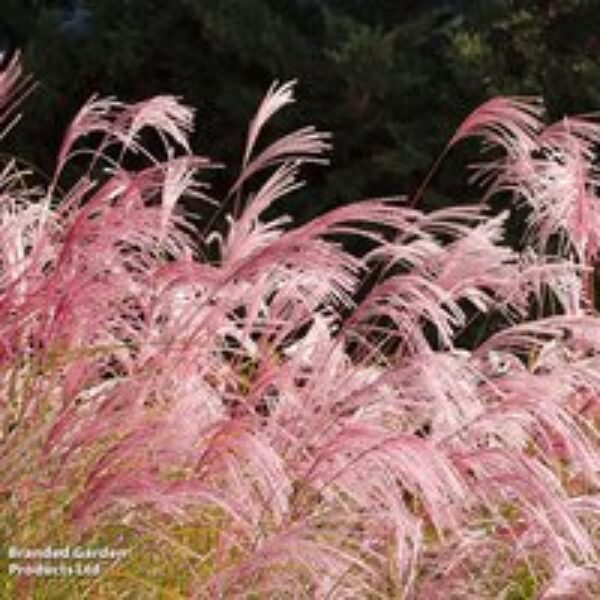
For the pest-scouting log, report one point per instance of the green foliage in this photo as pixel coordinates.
(524, 585)
(516, 47)
(374, 73)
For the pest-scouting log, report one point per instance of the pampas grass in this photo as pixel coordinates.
(251, 425)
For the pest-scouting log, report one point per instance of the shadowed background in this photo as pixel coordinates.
(391, 80)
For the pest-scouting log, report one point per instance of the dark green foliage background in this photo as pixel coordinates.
(391, 79)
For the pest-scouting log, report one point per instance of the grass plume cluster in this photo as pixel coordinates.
(265, 423)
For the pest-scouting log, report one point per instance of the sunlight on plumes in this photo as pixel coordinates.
(272, 415)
